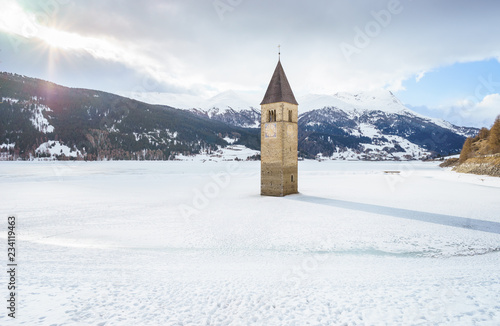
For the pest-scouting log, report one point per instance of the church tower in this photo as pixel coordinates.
(279, 138)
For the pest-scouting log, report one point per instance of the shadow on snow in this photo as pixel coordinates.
(456, 221)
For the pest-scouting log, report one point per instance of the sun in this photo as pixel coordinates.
(14, 20)
(61, 39)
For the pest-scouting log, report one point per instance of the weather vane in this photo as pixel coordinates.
(279, 51)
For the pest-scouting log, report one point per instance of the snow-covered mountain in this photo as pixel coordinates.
(235, 108)
(374, 125)
(366, 125)
(39, 117)
(364, 101)
(381, 100)
(232, 108)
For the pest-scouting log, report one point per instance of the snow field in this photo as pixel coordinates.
(110, 243)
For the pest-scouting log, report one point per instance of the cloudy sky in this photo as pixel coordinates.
(441, 58)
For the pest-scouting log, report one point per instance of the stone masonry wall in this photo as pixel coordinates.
(279, 150)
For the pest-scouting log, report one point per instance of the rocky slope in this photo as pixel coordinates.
(481, 165)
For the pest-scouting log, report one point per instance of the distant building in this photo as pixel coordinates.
(279, 138)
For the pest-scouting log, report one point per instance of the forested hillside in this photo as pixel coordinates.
(37, 116)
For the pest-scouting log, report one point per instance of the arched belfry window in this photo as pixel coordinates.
(289, 115)
(272, 116)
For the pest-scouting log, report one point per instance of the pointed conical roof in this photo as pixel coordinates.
(279, 89)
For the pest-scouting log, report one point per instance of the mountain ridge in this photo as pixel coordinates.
(365, 125)
(100, 125)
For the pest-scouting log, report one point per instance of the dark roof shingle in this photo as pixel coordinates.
(279, 89)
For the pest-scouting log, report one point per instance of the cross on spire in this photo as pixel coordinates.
(279, 52)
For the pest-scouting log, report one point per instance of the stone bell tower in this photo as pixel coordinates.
(279, 138)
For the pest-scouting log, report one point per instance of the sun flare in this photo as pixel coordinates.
(61, 39)
(16, 21)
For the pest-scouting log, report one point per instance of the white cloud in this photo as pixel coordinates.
(467, 111)
(420, 76)
(488, 109)
(24, 24)
(187, 45)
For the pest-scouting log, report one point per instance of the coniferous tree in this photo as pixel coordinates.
(483, 133)
(466, 149)
(494, 139)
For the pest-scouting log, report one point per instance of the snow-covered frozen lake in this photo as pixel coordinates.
(191, 243)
